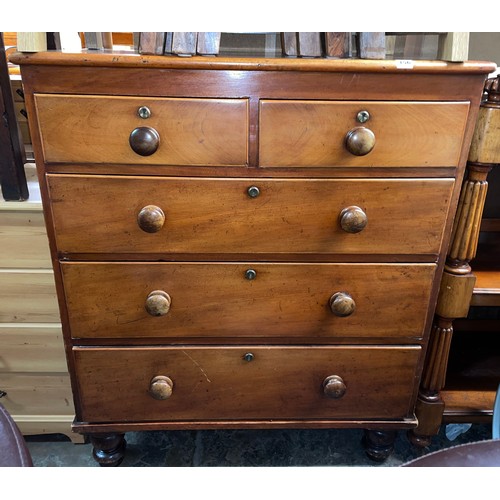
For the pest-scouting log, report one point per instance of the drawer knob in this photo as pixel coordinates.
(158, 303)
(161, 387)
(334, 387)
(151, 219)
(342, 304)
(144, 140)
(360, 141)
(353, 219)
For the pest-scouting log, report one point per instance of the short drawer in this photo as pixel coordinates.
(105, 214)
(201, 300)
(117, 384)
(106, 129)
(328, 133)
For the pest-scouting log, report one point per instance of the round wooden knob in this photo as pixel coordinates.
(158, 303)
(334, 387)
(161, 387)
(360, 141)
(342, 304)
(353, 219)
(144, 140)
(151, 219)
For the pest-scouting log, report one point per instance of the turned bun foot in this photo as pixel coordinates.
(109, 449)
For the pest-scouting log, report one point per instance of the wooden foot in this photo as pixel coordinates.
(379, 444)
(109, 449)
(417, 440)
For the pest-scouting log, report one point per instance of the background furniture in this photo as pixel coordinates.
(462, 370)
(242, 243)
(34, 380)
(15, 453)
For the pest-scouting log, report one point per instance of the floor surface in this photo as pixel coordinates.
(243, 448)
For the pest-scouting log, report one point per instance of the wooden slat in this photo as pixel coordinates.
(28, 296)
(152, 43)
(468, 405)
(48, 424)
(184, 43)
(371, 45)
(487, 288)
(37, 394)
(24, 239)
(454, 46)
(36, 347)
(208, 43)
(338, 44)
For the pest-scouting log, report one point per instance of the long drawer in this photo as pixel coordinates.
(111, 214)
(329, 133)
(200, 300)
(122, 384)
(107, 129)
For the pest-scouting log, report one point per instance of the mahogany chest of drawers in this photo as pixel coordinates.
(247, 242)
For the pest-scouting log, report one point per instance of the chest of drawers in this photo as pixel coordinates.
(247, 242)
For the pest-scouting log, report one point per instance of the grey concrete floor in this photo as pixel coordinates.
(243, 448)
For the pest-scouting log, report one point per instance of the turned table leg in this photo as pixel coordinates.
(379, 444)
(109, 448)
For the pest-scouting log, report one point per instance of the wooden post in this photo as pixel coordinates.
(338, 45)
(309, 44)
(184, 43)
(152, 43)
(454, 46)
(289, 43)
(208, 43)
(31, 41)
(457, 285)
(371, 45)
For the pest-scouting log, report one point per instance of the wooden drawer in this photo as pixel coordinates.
(218, 383)
(218, 300)
(96, 129)
(407, 134)
(99, 214)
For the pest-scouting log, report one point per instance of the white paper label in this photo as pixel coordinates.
(404, 64)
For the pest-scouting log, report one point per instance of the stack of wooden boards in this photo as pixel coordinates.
(451, 46)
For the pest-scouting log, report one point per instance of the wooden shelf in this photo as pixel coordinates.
(473, 372)
(486, 268)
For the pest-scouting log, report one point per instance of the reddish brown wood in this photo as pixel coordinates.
(236, 207)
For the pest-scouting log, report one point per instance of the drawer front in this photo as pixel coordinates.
(103, 214)
(95, 129)
(325, 133)
(278, 383)
(199, 300)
